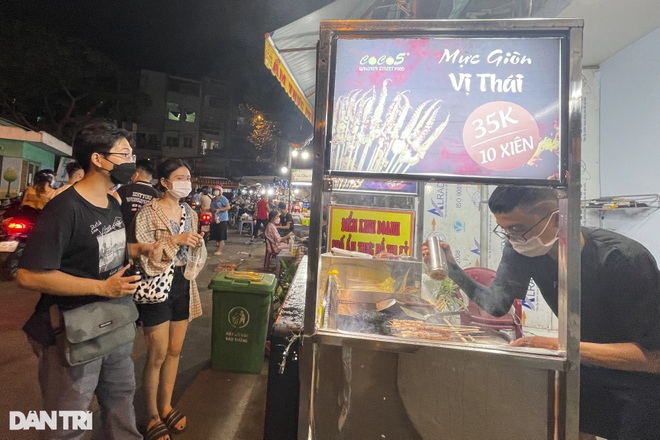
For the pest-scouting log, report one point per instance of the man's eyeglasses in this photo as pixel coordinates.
(519, 236)
(129, 157)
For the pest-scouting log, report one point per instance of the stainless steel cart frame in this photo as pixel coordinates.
(562, 372)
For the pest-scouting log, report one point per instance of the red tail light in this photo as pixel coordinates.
(206, 217)
(17, 226)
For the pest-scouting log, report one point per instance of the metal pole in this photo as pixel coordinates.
(290, 174)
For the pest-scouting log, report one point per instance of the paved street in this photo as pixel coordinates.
(219, 405)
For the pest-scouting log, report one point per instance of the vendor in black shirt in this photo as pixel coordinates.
(139, 192)
(76, 255)
(620, 309)
(286, 220)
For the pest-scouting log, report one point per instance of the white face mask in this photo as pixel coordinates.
(181, 189)
(534, 247)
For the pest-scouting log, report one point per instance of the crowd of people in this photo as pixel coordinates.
(80, 254)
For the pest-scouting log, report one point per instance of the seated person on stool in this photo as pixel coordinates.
(274, 243)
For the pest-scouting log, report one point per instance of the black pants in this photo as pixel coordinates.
(260, 221)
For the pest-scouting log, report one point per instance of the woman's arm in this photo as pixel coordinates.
(150, 228)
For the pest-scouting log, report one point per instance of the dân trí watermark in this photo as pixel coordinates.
(41, 420)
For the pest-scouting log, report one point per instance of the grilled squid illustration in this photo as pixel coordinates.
(370, 135)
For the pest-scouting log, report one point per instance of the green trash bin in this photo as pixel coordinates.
(241, 308)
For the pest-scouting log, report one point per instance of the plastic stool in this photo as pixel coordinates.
(246, 223)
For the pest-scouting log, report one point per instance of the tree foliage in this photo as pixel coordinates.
(10, 174)
(56, 84)
(263, 130)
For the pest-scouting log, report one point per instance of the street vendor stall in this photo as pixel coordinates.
(387, 353)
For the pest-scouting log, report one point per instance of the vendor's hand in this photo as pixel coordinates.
(444, 246)
(537, 342)
(189, 239)
(119, 285)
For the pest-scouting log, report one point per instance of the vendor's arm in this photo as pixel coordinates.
(59, 283)
(626, 356)
(509, 283)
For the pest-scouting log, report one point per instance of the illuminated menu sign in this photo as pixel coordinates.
(371, 231)
(390, 186)
(465, 107)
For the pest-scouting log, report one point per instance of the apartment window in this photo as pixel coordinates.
(173, 111)
(215, 145)
(183, 86)
(187, 142)
(172, 141)
(191, 115)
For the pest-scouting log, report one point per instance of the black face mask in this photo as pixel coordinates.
(121, 174)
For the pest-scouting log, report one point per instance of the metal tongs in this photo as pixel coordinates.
(408, 308)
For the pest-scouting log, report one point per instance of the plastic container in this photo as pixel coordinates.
(241, 308)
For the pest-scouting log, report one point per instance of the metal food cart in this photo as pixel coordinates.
(470, 101)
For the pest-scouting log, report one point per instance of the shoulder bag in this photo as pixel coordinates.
(89, 332)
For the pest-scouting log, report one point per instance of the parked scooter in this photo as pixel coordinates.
(205, 219)
(237, 211)
(14, 234)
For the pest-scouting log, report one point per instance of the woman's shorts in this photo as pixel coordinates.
(175, 308)
(218, 231)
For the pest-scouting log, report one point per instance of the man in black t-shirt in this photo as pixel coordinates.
(76, 255)
(620, 309)
(286, 220)
(137, 193)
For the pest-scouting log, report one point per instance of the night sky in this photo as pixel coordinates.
(193, 38)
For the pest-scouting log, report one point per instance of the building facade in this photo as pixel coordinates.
(189, 119)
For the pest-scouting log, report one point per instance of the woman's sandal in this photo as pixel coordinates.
(157, 431)
(172, 419)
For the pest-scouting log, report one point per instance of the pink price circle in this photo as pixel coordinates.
(501, 136)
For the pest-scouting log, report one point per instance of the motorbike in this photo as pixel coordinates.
(13, 235)
(236, 213)
(205, 219)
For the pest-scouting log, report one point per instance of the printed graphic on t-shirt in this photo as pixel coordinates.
(112, 244)
(137, 200)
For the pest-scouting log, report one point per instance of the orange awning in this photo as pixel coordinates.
(278, 68)
(290, 51)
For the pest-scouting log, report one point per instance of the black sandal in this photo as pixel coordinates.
(157, 431)
(172, 419)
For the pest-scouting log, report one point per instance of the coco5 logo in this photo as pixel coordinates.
(383, 60)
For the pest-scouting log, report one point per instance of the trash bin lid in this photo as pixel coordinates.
(245, 282)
